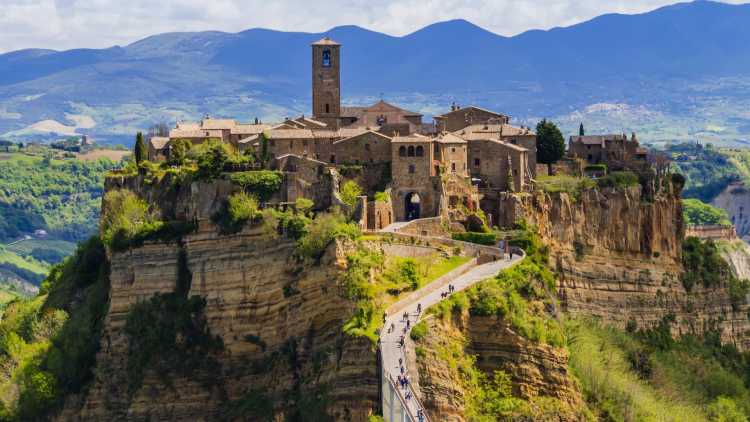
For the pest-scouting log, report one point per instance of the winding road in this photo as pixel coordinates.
(391, 348)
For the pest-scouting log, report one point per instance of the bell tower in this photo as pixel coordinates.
(326, 81)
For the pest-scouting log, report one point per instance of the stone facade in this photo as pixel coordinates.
(414, 178)
(369, 147)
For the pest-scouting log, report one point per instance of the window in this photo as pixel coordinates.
(410, 152)
(402, 151)
(476, 162)
(367, 147)
(453, 167)
(328, 108)
(326, 58)
(333, 159)
(290, 144)
(411, 169)
(420, 151)
(453, 150)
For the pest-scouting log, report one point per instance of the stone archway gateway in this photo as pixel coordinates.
(412, 206)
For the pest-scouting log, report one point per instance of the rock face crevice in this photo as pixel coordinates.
(279, 318)
(618, 258)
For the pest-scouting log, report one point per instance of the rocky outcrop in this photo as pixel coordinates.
(618, 257)
(735, 199)
(536, 370)
(279, 318)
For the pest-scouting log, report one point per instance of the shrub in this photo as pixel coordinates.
(125, 215)
(724, 409)
(261, 183)
(382, 197)
(697, 212)
(324, 229)
(419, 331)
(211, 157)
(350, 192)
(474, 237)
(168, 333)
(618, 179)
(242, 207)
(703, 263)
(304, 205)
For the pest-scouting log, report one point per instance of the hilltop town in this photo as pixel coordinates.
(460, 163)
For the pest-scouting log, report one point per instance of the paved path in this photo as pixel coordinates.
(391, 349)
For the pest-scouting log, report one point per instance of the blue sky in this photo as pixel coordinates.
(64, 24)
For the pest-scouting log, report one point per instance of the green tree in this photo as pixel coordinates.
(696, 212)
(581, 132)
(550, 145)
(350, 191)
(140, 150)
(179, 151)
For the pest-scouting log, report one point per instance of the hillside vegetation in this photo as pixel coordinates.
(43, 190)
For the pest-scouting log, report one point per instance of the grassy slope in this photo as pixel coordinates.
(626, 377)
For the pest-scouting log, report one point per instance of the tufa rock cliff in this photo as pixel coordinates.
(538, 372)
(618, 257)
(275, 321)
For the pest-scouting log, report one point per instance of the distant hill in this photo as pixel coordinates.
(659, 72)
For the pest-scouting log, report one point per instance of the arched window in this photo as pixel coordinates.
(420, 151)
(402, 151)
(453, 167)
(410, 151)
(326, 58)
(328, 108)
(411, 169)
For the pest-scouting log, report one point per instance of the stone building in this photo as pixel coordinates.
(616, 151)
(414, 177)
(459, 118)
(326, 81)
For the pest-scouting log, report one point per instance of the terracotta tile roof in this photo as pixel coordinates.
(300, 158)
(188, 125)
(357, 112)
(501, 143)
(492, 131)
(598, 139)
(242, 129)
(462, 109)
(159, 142)
(218, 123)
(249, 139)
(289, 134)
(311, 122)
(380, 135)
(384, 107)
(415, 137)
(325, 41)
(200, 133)
(449, 138)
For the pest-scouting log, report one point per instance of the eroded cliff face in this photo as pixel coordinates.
(279, 318)
(618, 257)
(538, 372)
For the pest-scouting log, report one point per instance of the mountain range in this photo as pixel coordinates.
(678, 72)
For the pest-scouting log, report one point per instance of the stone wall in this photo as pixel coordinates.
(714, 232)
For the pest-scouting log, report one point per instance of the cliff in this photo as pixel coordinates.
(735, 199)
(618, 257)
(456, 347)
(267, 342)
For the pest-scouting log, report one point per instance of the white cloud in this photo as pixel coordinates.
(64, 24)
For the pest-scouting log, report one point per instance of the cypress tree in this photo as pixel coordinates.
(140, 151)
(581, 132)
